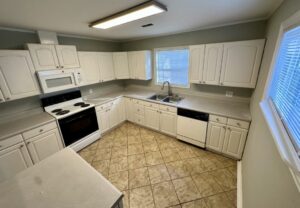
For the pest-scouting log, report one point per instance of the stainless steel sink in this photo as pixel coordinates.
(171, 99)
(157, 97)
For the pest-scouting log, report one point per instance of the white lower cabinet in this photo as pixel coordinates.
(152, 118)
(129, 109)
(215, 136)
(103, 120)
(234, 142)
(113, 115)
(13, 160)
(227, 139)
(44, 145)
(168, 122)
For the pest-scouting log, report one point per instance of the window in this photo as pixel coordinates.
(285, 86)
(172, 65)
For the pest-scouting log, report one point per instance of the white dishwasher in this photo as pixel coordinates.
(192, 126)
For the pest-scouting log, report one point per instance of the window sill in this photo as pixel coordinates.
(283, 143)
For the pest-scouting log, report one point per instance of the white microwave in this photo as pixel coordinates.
(57, 80)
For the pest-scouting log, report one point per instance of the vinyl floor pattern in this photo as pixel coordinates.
(156, 171)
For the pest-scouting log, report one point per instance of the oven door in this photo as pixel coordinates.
(57, 80)
(78, 126)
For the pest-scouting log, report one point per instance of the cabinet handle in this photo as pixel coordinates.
(28, 143)
(21, 146)
(217, 119)
(62, 67)
(1, 100)
(57, 67)
(7, 98)
(203, 82)
(41, 130)
(238, 124)
(229, 128)
(224, 127)
(221, 83)
(0, 146)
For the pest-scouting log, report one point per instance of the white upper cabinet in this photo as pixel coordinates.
(43, 56)
(212, 63)
(47, 57)
(140, 65)
(241, 62)
(121, 65)
(89, 67)
(17, 75)
(67, 56)
(106, 66)
(196, 63)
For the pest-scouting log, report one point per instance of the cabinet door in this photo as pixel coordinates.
(67, 56)
(121, 65)
(13, 160)
(121, 109)
(43, 56)
(129, 109)
(168, 123)
(132, 63)
(152, 118)
(215, 136)
(17, 75)
(234, 143)
(44, 145)
(113, 115)
(89, 67)
(241, 62)
(106, 67)
(103, 120)
(212, 63)
(196, 63)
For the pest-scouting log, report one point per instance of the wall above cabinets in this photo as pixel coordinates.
(233, 64)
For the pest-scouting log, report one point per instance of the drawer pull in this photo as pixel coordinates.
(41, 130)
(217, 119)
(28, 143)
(229, 128)
(238, 124)
(0, 146)
(21, 146)
(224, 127)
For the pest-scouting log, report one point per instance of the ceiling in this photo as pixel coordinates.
(73, 16)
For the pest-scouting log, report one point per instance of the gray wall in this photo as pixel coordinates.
(246, 31)
(17, 40)
(267, 182)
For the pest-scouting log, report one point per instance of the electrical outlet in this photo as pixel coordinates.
(91, 91)
(229, 93)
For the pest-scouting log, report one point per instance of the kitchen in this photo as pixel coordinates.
(149, 113)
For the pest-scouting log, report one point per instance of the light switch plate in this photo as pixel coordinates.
(229, 93)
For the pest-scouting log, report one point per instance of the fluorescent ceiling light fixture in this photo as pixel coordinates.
(146, 9)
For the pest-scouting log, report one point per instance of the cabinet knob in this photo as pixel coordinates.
(41, 130)
(221, 83)
(229, 128)
(21, 146)
(1, 100)
(203, 82)
(7, 98)
(28, 143)
(217, 119)
(57, 67)
(224, 127)
(62, 67)
(238, 124)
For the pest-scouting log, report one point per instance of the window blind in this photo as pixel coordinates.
(172, 65)
(285, 87)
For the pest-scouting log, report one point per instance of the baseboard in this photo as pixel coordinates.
(239, 185)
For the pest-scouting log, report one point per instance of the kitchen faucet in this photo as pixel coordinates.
(169, 87)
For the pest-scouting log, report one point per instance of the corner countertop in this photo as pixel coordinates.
(231, 109)
(61, 180)
(18, 126)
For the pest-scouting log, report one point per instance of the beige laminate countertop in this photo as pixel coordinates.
(24, 124)
(62, 180)
(231, 109)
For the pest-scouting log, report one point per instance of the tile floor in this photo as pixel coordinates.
(154, 170)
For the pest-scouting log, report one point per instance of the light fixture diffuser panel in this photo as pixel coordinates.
(141, 11)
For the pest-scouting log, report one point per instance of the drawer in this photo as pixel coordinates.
(238, 123)
(39, 130)
(104, 106)
(168, 108)
(218, 119)
(139, 109)
(10, 141)
(140, 102)
(139, 119)
(151, 105)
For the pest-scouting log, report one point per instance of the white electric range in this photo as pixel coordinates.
(77, 120)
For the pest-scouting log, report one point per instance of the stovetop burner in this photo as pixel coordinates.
(63, 112)
(79, 104)
(56, 110)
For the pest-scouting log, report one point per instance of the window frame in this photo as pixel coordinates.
(280, 134)
(155, 66)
